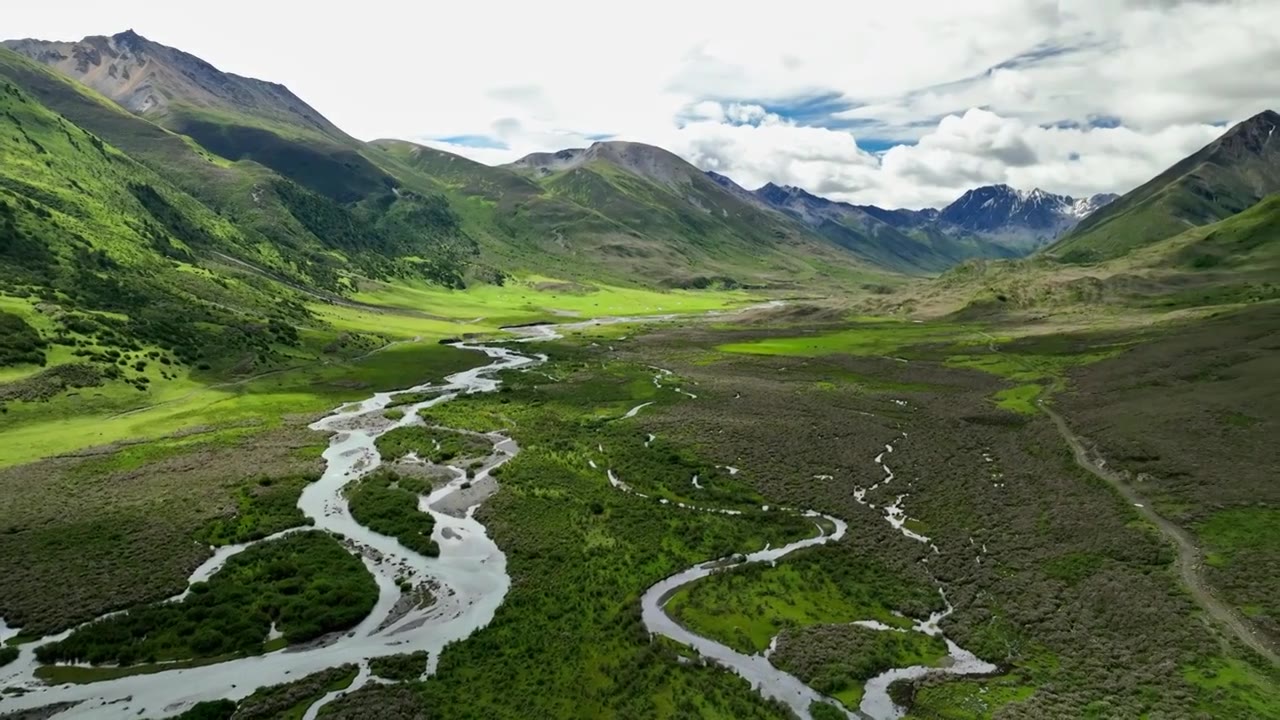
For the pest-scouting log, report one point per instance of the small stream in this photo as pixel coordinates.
(767, 679)
(755, 669)
(468, 580)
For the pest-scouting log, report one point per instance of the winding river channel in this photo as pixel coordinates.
(468, 580)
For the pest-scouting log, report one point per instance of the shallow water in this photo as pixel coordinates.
(755, 669)
(758, 670)
(469, 579)
(469, 575)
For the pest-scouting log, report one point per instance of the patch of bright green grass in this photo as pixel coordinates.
(864, 338)
(1020, 399)
(967, 699)
(1231, 688)
(1229, 532)
(393, 325)
(73, 422)
(532, 299)
(1026, 367)
(1073, 567)
(956, 345)
(747, 607)
(1241, 546)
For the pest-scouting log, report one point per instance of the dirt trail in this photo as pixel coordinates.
(1190, 556)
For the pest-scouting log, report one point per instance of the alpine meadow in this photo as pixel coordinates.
(674, 369)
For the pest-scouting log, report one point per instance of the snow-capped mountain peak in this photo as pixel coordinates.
(1086, 206)
(1000, 208)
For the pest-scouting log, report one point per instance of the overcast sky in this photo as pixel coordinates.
(895, 102)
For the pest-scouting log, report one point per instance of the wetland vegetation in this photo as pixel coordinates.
(1018, 526)
(386, 503)
(303, 585)
(184, 294)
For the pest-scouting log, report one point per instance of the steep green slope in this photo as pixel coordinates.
(665, 212)
(109, 247)
(235, 117)
(517, 223)
(287, 230)
(629, 213)
(126, 311)
(1249, 240)
(1227, 176)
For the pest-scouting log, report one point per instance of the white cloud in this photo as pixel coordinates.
(711, 79)
(962, 151)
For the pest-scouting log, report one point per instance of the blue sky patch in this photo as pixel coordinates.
(1104, 121)
(808, 110)
(878, 145)
(475, 141)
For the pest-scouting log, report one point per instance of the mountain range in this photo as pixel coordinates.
(1205, 232)
(989, 221)
(295, 198)
(631, 210)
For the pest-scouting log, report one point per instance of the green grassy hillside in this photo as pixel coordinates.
(234, 117)
(129, 308)
(284, 229)
(1250, 240)
(240, 145)
(1226, 177)
(1204, 233)
(662, 223)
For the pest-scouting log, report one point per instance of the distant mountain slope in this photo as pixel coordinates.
(149, 79)
(651, 193)
(993, 221)
(628, 212)
(901, 218)
(1129, 262)
(912, 249)
(1235, 261)
(1019, 218)
(624, 211)
(649, 189)
(1225, 177)
(235, 117)
(282, 227)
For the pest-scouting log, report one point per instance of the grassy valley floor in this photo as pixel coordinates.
(1052, 576)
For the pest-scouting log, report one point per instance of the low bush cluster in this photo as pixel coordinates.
(380, 504)
(19, 342)
(431, 444)
(402, 667)
(305, 585)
